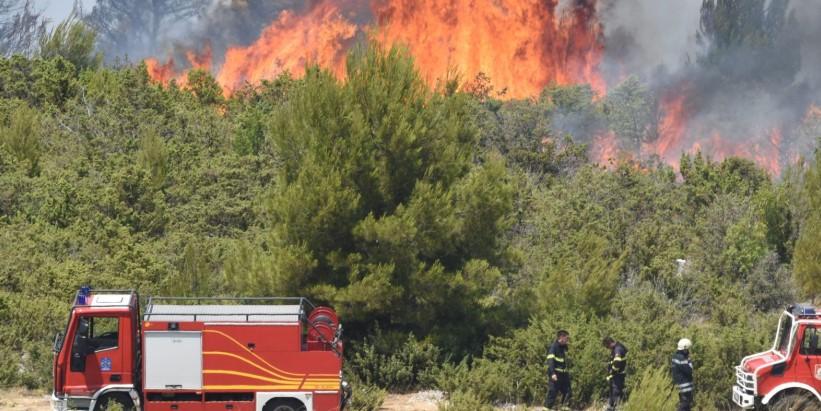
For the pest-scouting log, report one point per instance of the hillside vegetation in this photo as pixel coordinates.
(455, 233)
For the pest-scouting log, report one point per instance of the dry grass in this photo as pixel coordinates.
(19, 399)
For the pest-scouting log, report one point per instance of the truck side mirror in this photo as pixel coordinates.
(814, 349)
(58, 342)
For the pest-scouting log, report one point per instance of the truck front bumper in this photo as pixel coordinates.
(58, 404)
(743, 399)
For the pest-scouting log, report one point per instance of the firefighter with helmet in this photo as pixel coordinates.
(557, 372)
(682, 370)
(616, 371)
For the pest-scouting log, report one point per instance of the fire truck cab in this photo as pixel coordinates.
(198, 354)
(790, 370)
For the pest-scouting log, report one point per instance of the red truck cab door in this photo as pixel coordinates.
(96, 354)
(808, 366)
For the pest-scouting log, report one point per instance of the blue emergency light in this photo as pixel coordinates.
(803, 311)
(82, 296)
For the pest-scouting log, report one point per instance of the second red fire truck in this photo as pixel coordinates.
(789, 374)
(198, 354)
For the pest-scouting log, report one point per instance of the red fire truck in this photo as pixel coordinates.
(203, 354)
(789, 373)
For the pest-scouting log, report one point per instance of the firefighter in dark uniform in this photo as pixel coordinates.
(682, 369)
(557, 372)
(616, 371)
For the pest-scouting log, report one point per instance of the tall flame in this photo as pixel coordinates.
(321, 36)
(521, 45)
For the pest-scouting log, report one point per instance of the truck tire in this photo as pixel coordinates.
(284, 404)
(794, 401)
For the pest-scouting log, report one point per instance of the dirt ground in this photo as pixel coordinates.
(22, 400)
(17, 399)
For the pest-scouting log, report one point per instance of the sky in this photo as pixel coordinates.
(57, 10)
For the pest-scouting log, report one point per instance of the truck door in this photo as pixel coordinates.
(96, 358)
(808, 367)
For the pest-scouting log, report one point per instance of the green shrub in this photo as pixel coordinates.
(411, 365)
(464, 401)
(366, 397)
(21, 137)
(654, 391)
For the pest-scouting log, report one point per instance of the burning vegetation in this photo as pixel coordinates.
(739, 91)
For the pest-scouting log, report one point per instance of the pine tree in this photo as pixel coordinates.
(807, 257)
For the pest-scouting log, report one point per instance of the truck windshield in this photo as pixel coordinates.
(784, 334)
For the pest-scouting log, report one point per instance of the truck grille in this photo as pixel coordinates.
(745, 380)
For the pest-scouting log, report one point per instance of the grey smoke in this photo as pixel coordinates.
(738, 88)
(647, 37)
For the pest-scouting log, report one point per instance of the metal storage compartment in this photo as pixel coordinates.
(173, 360)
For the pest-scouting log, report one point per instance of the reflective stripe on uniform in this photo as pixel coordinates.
(553, 357)
(681, 362)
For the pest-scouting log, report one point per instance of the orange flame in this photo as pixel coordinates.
(521, 45)
(672, 128)
(160, 72)
(165, 72)
(679, 133)
(321, 36)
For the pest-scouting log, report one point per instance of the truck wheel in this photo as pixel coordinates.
(286, 404)
(115, 401)
(795, 402)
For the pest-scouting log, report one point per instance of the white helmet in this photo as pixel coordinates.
(684, 344)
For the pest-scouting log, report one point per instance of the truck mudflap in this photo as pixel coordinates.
(742, 399)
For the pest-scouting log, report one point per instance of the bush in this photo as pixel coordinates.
(654, 391)
(411, 365)
(464, 401)
(366, 397)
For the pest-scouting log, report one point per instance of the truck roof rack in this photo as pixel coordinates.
(227, 309)
(95, 292)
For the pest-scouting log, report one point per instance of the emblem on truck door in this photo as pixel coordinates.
(105, 364)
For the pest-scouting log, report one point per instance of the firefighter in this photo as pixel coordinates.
(682, 369)
(616, 371)
(559, 378)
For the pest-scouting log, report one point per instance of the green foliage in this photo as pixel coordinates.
(38, 82)
(204, 87)
(654, 392)
(379, 206)
(807, 258)
(366, 397)
(72, 40)
(21, 137)
(464, 401)
(454, 233)
(630, 112)
(154, 157)
(410, 365)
